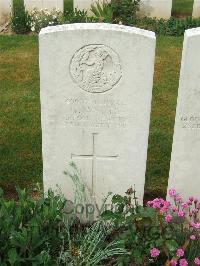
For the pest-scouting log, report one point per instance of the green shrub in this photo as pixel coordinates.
(102, 10)
(41, 232)
(76, 16)
(157, 233)
(68, 5)
(20, 20)
(124, 10)
(43, 18)
(171, 27)
(115, 11)
(31, 231)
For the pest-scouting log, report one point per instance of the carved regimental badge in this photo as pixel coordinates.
(95, 68)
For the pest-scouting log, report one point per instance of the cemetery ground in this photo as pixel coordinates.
(20, 129)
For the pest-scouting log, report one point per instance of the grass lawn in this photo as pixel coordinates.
(20, 133)
(182, 7)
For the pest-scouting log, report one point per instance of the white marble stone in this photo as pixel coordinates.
(5, 10)
(185, 168)
(156, 8)
(96, 89)
(196, 9)
(42, 4)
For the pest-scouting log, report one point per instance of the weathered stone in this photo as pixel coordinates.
(196, 9)
(96, 87)
(44, 4)
(185, 171)
(5, 11)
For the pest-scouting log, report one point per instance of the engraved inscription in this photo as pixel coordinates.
(96, 113)
(190, 121)
(96, 68)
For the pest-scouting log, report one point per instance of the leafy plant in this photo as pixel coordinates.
(90, 248)
(68, 5)
(124, 11)
(41, 232)
(102, 10)
(31, 231)
(75, 16)
(20, 20)
(43, 18)
(158, 234)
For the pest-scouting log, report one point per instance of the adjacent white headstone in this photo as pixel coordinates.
(185, 166)
(156, 8)
(196, 9)
(96, 88)
(5, 10)
(43, 4)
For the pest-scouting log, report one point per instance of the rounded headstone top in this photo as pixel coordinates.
(97, 26)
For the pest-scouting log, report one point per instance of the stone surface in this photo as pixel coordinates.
(96, 88)
(5, 11)
(196, 9)
(185, 171)
(42, 4)
(156, 8)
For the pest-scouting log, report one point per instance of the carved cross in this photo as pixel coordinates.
(94, 157)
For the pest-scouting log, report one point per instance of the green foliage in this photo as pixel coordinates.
(43, 18)
(31, 231)
(182, 7)
(171, 27)
(90, 248)
(76, 16)
(68, 5)
(102, 10)
(141, 229)
(124, 10)
(40, 232)
(20, 20)
(115, 11)
(136, 226)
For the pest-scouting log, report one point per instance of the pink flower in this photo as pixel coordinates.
(197, 261)
(195, 225)
(183, 262)
(192, 237)
(184, 205)
(178, 198)
(155, 252)
(175, 209)
(172, 192)
(168, 218)
(181, 214)
(173, 263)
(191, 199)
(189, 202)
(180, 252)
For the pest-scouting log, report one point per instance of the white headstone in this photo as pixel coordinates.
(196, 9)
(185, 168)
(43, 4)
(96, 88)
(5, 11)
(156, 8)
